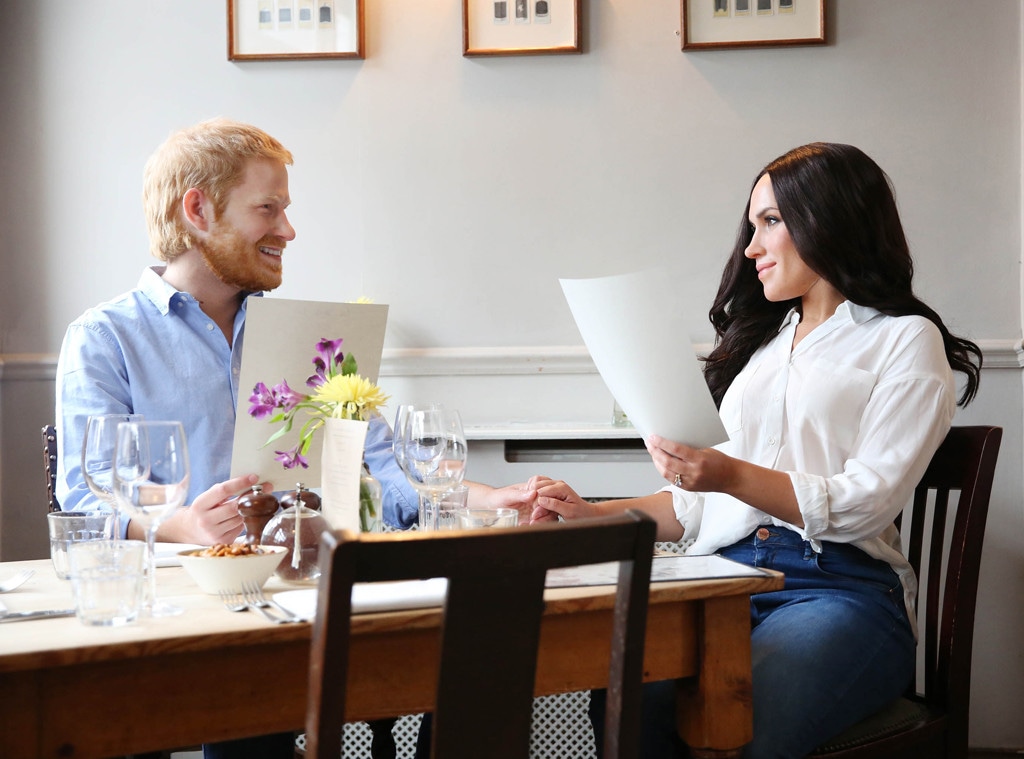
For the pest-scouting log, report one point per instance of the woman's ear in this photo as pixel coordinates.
(197, 209)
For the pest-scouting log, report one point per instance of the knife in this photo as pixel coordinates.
(15, 616)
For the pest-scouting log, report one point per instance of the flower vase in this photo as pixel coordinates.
(370, 500)
(340, 471)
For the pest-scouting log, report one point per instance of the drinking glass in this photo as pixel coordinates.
(474, 519)
(453, 502)
(430, 447)
(98, 456)
(151, 476)
(401, 422)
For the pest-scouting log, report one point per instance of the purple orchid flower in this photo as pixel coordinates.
(263, 401)
(291, 459)
(286, 398)
(329, 356)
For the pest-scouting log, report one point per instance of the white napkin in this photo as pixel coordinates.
(371, 597)
(166, 554)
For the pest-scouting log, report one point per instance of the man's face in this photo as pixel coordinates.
(245, 244)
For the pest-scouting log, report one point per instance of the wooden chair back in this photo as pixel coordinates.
(49, 433)
(943, 542)
(494, 603)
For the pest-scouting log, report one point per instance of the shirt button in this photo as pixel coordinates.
(771, 441)
(209, 328)
(763, 534)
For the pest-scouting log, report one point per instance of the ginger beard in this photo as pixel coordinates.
(239, 262)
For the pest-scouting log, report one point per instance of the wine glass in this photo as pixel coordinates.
(430, 447)
(151, 476)
(401, 421)
(98, 458)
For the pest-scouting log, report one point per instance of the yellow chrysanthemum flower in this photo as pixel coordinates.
(352, 396)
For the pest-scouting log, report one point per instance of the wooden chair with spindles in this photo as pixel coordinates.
(490, 631)
(49, 433)
(943, 542)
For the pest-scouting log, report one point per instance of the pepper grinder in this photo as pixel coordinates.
(302, 495)
(256, 509)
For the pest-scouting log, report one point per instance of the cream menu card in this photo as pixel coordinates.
(280, 344)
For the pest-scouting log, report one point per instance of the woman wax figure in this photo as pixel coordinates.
(836, 386)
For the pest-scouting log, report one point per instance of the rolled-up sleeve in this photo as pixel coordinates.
(92, 381)
(401, 503)
(901, 428)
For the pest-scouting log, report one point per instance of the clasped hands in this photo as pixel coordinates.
(695, 469)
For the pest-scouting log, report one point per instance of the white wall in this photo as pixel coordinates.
(504, 174)
(458, 190)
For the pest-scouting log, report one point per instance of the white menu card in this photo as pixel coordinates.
(634, 329)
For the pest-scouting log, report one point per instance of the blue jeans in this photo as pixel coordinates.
(830, 648)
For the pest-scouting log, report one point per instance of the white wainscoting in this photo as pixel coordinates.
(506, 396)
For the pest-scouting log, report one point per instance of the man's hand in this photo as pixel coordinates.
(212, 517)
(520, 497)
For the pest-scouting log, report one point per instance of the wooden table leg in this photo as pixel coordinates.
(715, 714)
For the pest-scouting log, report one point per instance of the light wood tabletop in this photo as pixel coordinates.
(68, 690)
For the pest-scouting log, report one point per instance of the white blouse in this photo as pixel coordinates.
(853, 414)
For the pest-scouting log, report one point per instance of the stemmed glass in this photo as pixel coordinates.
(430, 447)
(98, 459)
(151, 476)
(401, 421)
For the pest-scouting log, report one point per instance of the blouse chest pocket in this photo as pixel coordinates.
(829, 399)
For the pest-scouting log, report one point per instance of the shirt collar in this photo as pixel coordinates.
(163, 295)
(153, 286)
(859, 314)
(845, 311)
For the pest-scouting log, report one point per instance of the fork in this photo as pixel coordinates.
(254, 597)
(232, 600)
(15, 580)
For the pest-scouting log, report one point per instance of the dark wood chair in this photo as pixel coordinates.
(931, 720)
(495, 595)
(50, 466)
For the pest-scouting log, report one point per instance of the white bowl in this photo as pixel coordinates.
(215, 574)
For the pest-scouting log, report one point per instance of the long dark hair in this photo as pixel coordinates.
(839, 209)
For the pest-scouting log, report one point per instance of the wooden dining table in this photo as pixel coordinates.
(68, 690)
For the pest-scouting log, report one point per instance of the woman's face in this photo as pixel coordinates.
(782, 271)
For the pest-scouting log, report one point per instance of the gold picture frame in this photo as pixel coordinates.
(520, 27)
(272, 30)
(724, 24)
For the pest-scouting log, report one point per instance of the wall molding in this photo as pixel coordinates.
(28, 367)
(466, 362)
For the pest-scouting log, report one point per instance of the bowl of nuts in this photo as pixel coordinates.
(224, 568)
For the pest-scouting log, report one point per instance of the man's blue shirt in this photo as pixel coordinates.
(153, 351)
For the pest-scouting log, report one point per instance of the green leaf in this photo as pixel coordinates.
(348, 366)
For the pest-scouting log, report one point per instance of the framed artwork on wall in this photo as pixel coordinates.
(520, 27)
(718, 24)
(270, 30)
